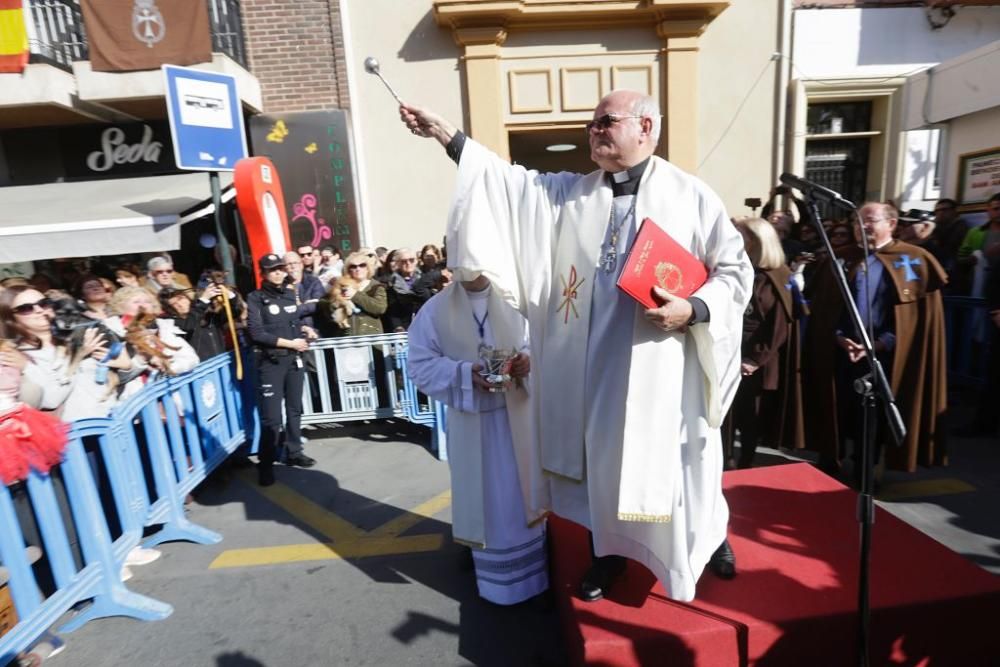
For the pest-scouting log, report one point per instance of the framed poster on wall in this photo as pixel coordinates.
(978, 178)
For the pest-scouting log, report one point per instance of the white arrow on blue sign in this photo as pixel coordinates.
(206, 119)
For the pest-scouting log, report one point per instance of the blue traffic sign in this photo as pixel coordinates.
(206, 119)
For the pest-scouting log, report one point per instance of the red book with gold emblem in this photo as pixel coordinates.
(656, 260)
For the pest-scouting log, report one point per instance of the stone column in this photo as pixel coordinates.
(483, 85)
(680, 91)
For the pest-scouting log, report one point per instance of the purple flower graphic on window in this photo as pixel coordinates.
(305, 208)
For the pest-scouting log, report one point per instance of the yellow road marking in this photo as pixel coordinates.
(296, 553)
(312, 514)
(924, 488)
(347, 540)
(403, 523)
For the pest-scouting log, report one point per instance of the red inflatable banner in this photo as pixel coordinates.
(262, 208)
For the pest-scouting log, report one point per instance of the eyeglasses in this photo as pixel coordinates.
(606, 121)
(163, 271)
(306, 253)
(293, 263)
(357, 266)
(26, 308)
(407, 260)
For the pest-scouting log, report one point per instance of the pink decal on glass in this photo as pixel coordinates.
(306, 208)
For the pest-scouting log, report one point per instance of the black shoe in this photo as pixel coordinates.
(723, 561)
(265, 475)
(300, 460)
(600, 577)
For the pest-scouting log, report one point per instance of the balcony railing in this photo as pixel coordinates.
(227, 29)
(56, 34)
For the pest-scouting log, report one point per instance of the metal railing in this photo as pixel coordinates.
(365, 377)
(227, 29)
(154, 449)
(56, 33)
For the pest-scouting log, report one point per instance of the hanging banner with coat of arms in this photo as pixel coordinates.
(128, 35)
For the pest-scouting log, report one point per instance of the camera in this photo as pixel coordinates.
(752, 202)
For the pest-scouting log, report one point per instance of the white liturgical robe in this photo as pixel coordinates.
(629, 414)
(492, 457)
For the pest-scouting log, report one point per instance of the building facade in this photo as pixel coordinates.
(850, 61)
(749, 89)
(523, 76)
(961, 98)
(86, 160)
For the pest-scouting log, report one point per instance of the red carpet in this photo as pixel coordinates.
(794, 599)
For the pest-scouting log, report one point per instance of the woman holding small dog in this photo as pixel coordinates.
(157, 343)
(355, 303)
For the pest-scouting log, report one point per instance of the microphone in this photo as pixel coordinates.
(815, 190)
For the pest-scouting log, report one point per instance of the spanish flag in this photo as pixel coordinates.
(13, 37)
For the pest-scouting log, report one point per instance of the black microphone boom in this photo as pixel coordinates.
(815, 190)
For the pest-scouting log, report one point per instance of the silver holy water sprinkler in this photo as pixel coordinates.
(372, 67)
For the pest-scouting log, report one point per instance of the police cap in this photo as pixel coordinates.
(271, 261)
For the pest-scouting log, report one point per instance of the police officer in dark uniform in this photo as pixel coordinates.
(279, 339)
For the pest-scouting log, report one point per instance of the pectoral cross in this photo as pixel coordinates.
(610, 260)
(906, 263)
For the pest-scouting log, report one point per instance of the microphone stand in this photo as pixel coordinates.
(873, 388)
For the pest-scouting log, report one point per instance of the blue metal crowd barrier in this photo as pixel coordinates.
(967, 326)
(97, 579)
(365, 377)
(153, 450)
(166, 440)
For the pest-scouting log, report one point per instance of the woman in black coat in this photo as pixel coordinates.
(202, 319)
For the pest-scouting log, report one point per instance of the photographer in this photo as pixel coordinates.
(279, 337)
(203, 320)
(805, 214)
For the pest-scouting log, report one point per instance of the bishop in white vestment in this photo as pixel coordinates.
(629, 400)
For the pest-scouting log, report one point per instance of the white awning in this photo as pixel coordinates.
(110, 217)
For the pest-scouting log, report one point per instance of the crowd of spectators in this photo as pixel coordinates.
(88, 333)
(966, 251)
